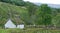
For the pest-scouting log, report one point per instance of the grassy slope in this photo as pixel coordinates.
(16, 10)
(7, 7)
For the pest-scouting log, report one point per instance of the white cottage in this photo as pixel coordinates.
(10, 24)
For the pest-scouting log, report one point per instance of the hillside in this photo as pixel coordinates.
(11, 11)
(29, 14)
(36, 19)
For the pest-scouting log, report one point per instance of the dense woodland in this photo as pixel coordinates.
(28, 13)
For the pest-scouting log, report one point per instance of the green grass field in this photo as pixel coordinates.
(32, 30)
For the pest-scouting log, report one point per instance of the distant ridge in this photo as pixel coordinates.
(50, 5)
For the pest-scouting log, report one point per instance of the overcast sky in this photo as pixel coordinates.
(45, 1)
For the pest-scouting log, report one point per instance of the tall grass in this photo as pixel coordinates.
(32, 30)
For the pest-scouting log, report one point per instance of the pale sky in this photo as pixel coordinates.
(45, 1)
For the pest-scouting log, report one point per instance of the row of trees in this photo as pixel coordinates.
(15, 2)
(42, 14)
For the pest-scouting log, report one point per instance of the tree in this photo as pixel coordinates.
(44, 13)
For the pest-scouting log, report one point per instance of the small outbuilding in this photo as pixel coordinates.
(21, 26)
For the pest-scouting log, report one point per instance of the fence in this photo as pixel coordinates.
(42, 26)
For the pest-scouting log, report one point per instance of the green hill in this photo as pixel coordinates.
(11, 11)
(29, 14)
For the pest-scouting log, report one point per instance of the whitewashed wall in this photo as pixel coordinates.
(20, 26)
